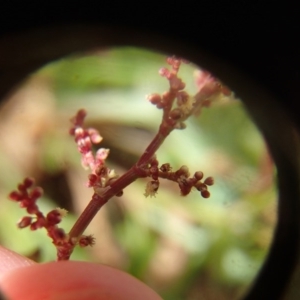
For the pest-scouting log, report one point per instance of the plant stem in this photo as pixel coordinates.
(99, 200)
(135, 172)
(163, 132)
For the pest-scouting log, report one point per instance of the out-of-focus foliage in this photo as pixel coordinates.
(184, 247)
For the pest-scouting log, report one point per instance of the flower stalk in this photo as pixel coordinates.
(177, 106)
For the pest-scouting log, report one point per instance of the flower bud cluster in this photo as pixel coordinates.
(177, 105)
(86, 240)
(27, 195)
(153, 172)
(101, 176)
(210, 89)
(165, 100)
(175, 113)
(101, 179)
(85, 138)
(181, 176)
(176, 84)
(186, 183)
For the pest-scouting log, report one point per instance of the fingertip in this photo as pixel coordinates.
(10, 260)
(74, 280)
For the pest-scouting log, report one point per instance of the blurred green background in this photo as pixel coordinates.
(184, 247)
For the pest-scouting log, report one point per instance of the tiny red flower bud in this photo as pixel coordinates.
(209, 181)
(95, 137)
(57, 234)
(15, 196)
(164, 72)
(78, 119)
(34, 226)
(28, 182)
(53, 217)
(22, 187)
(26, 202)
(24, 222)
(32, 208)
(198, 175)
(86, 240)
(205, 194)
(36, 193)
(154, 98)
(165, 167)
(93, 177)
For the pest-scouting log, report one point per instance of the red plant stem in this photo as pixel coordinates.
(163, 132)
(130, 176)
(99, 200)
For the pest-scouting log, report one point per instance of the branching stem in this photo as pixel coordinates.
(126, 179)
(177, 106)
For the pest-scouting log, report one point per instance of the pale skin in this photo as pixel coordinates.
(23, 279)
